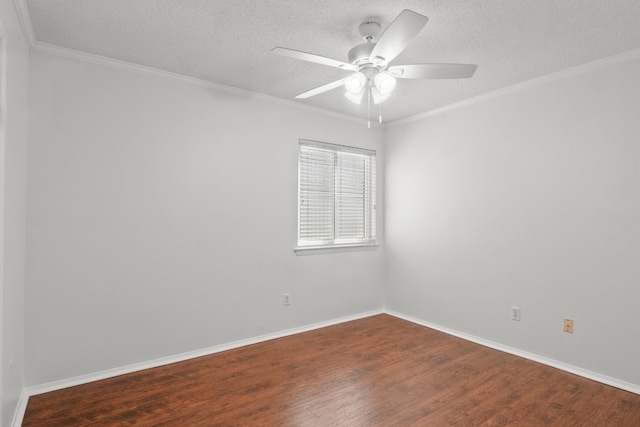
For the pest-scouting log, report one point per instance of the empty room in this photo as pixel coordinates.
(319, 213)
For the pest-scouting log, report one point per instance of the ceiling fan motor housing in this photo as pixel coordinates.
(360, 54)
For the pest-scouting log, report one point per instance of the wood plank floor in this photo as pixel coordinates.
(378, 371)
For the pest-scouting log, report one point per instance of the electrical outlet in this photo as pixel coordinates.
(515, 313)
(287, 298)
(567, 326)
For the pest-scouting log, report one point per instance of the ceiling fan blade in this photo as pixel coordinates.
(397, 36)
(321, 89)
(433, 71)
(310, 57)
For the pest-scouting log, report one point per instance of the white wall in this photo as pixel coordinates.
(162, 219)
(13, 159)
(531, 199)
(142, 242)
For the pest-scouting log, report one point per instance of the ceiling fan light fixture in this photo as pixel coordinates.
(356, 98)
(369, 62)
(355, 82)
(384, 83)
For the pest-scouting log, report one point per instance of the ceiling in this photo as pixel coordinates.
(228, 42)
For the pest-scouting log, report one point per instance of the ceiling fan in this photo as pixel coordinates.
(369, 62)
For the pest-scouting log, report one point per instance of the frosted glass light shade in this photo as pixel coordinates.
(356, 98)
(385, 83)
(378, 97)
(355, 83)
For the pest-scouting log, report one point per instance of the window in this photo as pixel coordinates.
(336, 195)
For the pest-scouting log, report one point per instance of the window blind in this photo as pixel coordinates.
(336, 194)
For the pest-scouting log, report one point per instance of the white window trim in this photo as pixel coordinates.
(345, 246)
(334, 249)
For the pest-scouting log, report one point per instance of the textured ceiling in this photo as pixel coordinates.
(229, 41)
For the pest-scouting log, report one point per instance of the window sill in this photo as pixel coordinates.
(312, 250)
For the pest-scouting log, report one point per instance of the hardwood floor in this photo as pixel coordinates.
(378, 371)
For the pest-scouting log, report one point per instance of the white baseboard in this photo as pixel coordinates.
(109, 373)
(83, 379)
(604, 379)
(20, 410)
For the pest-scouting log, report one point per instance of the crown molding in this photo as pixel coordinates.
(27, 28)
(630, 55)
(207, 84)
(24, 17)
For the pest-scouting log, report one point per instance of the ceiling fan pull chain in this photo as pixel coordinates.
(369, 108)
(380, 113)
